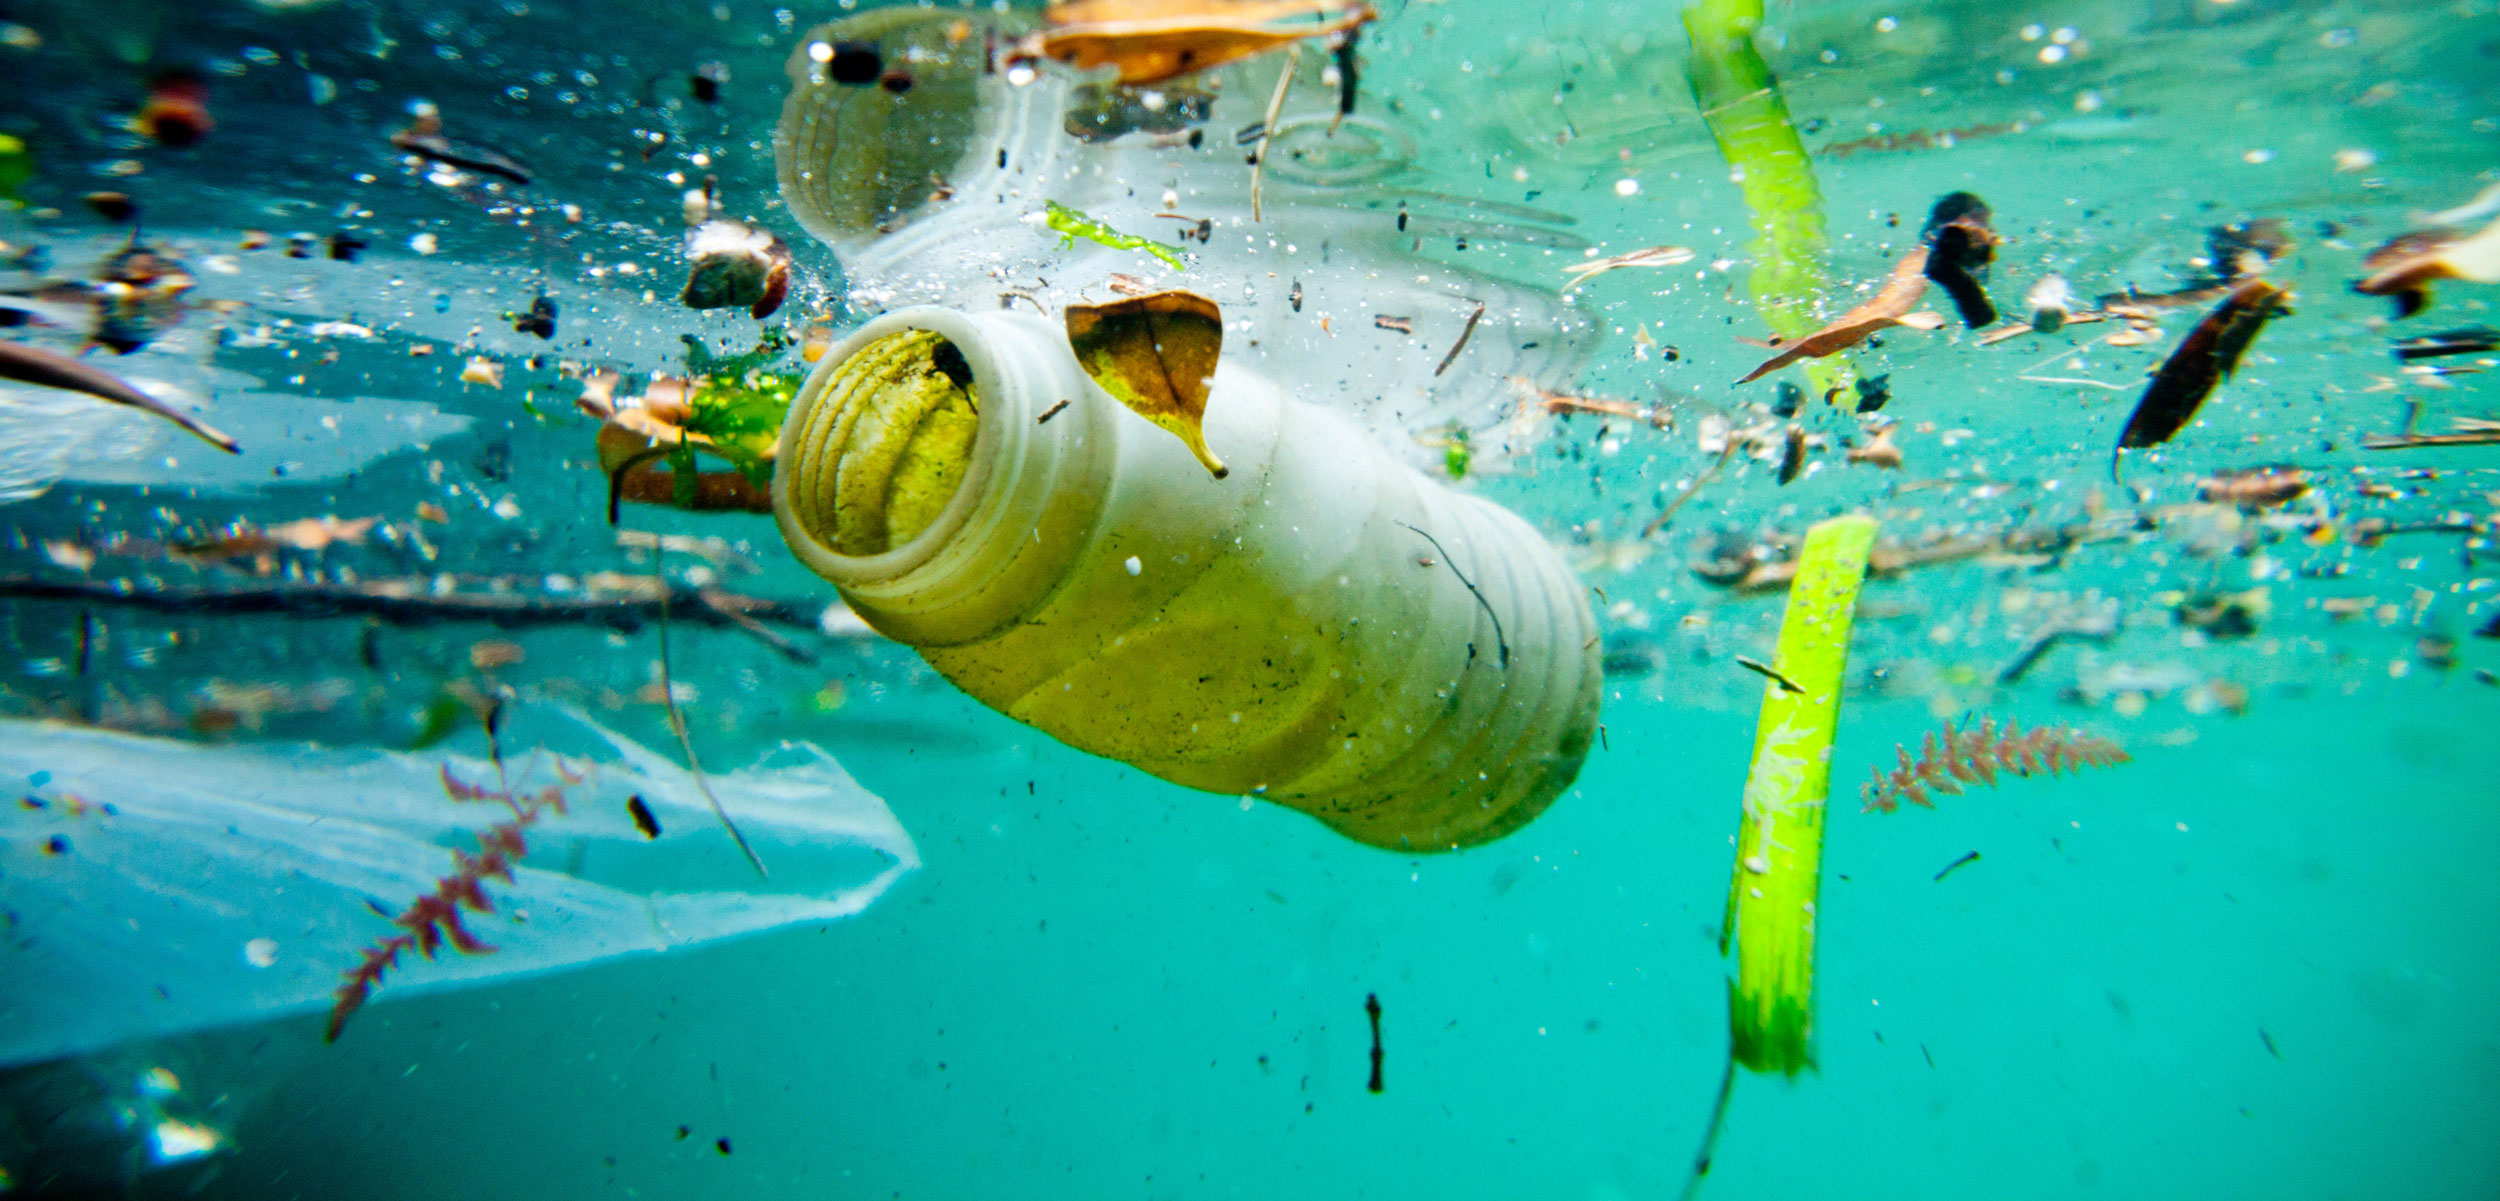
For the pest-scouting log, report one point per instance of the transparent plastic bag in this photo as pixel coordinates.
(149, 887)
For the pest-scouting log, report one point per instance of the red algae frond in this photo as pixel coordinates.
(1976, 756)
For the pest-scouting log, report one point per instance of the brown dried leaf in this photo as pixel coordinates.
(1154, 40)
(1156, 354)
(1889, 307)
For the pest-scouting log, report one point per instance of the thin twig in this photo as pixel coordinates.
(677, 725)
(1461, 344)
(1660, 521)
(1499, 641)
(1267, 128)
(1710, 1134)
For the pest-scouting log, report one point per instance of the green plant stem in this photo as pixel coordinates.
(1779, 848)
(1741, 104)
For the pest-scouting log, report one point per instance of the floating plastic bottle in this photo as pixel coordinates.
(1323, 627)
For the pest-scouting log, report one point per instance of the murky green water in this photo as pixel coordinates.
(2250, 963)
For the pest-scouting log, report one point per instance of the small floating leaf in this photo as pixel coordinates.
(1156, 354)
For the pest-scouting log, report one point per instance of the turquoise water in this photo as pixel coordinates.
(2251, 963)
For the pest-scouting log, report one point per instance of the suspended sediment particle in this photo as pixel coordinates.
(2205, 358)
(645, 822)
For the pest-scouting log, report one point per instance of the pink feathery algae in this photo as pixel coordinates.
(1976, 756)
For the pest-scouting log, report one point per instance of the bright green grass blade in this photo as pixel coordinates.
(1741, 104)
(1779, 849)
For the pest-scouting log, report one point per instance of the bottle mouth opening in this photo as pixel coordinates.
(877, 450)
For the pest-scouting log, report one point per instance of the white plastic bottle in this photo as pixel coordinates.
(1325, 627)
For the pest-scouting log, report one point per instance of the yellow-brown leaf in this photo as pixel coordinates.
(1156, 354)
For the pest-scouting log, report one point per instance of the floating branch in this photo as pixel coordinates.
(1976, 756)
(504, 602)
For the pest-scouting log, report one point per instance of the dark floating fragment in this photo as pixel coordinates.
(1874, 392)
(344, 246)
(1960, 247)
(896, 81)
(176, 112)
(1793, 453)
(855, 63)
(424, 138)
(1967, 857)
(1787, 399)
(1349, 75)
(704, 82)
(2203, 360)
(734, 264)
(2471, 340)
(650, 827)
(539, 320)
(116, 207)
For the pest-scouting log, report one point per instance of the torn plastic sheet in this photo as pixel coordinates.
(149, 887)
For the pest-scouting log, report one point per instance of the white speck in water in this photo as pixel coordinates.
(2258, 156)
(2052, 54)
(261, 952)
(1627, 187)
(424, 244)
(2033, 33)
(1886, 24)
(1135, 565)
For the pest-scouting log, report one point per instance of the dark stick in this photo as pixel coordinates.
(1461, 344)
(415, 606)
(1371, 1006)
(1499, 641)
(1710, 1136)
(1972, 857)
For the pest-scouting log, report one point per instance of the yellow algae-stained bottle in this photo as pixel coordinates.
(1326, 626)
(1323, 627)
